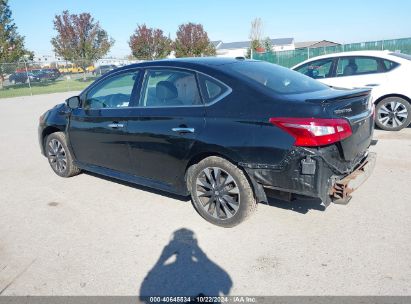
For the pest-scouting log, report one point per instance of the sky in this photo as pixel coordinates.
(342, 21)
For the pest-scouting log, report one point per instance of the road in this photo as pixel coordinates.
(88, 235)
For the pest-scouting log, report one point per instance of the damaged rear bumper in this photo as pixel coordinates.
(319, 173)
(342, 188)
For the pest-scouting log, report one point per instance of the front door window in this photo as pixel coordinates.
(317, 69)
(115, 92)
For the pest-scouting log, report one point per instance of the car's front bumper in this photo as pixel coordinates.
(40, 137)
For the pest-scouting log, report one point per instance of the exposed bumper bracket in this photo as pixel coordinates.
(341, 190)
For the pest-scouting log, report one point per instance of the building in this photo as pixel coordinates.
(239, 49)
(115, 61)
(314, 44)
(46, 60)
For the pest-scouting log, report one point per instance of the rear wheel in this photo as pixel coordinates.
(59, 156)
(393, 114)
(221, 193)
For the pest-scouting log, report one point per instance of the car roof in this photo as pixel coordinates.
(189, 61)
(196, 63)
(203, 60)
(380, 54)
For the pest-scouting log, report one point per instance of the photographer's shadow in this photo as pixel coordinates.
(183, 269)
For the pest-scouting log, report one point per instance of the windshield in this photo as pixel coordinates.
(401, 55)
(276, 78)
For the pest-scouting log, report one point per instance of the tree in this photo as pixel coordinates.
(256, 31)
(256, 34)
(149, 43)
(11, 43)
(192, 41)
(80, 39)
(268, 44)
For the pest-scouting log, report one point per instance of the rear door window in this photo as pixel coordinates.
(351, 66)
(169, 88)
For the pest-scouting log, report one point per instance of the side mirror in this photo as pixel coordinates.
(73, 102)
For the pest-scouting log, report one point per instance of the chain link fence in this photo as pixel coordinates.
(29, 78)
(291, 58)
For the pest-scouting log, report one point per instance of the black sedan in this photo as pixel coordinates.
(220, 130)
(46, 74)
(23, 77)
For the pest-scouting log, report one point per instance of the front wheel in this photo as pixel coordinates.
(59, 156)
(393, 114)
(220, 192)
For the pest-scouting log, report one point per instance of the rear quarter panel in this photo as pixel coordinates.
(397, 83)
(238, 127)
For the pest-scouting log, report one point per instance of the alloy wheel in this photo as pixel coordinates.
(218, 193)
(392, 114)
(57, 155)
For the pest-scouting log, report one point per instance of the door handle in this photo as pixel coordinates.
(183, 130)
(115, 125)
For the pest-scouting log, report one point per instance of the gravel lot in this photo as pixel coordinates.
(88, 235)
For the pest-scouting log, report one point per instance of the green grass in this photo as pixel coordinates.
(63, 85)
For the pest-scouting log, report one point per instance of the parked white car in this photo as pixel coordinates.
(387, 73)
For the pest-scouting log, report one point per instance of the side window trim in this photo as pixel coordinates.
(144, 79)
(333, 72)
(139, 89)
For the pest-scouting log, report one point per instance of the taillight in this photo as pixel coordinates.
(371, 106)
(313, 132)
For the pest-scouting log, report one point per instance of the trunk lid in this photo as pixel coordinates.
(356, 107)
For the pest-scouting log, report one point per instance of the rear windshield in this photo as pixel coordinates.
(276, 78)
(401, 55)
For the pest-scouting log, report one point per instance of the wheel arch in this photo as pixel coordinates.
(381, 98)
(47, 131)
(258, 189)
(196, 158)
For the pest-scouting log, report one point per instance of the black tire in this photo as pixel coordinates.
(59, 156)
(230, 208)
(391, 112)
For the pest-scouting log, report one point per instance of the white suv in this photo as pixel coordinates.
(387, 73)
